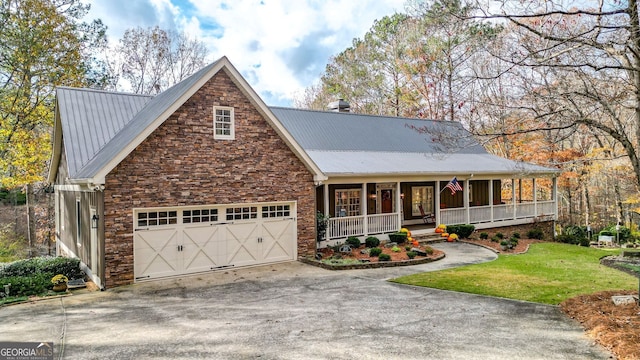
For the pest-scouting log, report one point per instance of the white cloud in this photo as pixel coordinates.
(281, 46)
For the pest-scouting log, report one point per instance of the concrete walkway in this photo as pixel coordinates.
(297, 311)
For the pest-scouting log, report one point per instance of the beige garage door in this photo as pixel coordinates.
(185, 240)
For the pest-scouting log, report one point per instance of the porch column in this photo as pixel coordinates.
(555, 198)
(437, 196)
(465, 197)
(399, 204)
(491, 202)
(364, 201)
(535, 200)
(513, 198)
(326, 207)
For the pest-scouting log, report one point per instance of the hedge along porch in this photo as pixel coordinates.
(384, 174)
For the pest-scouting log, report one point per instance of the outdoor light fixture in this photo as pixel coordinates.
(94, 221)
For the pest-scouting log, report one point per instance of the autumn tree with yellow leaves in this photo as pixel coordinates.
(43, 44)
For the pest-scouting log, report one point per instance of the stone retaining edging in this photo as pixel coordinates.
(371, 265)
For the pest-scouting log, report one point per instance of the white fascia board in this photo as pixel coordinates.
(407, 177)
(56, 154)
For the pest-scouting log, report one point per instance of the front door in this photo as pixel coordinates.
(387, 201)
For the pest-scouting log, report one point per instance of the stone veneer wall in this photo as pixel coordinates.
(523, 229)
(181, 164)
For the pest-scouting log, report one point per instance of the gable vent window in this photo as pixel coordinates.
(223, 123)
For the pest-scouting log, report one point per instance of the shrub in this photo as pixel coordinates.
(484, 236)
(384, 257)
(398, 237)
(70, 267)
(34, 284)
(500, 235)
(624, 234)
(322, 222)
(513, 241)
(462, 230)
(375, 251)
(567, 239)
(428, 250)
(495, 239)
(371, 242)
(411, 254)
(407, 248)
(535, 234)
(516, 235)
(395, 249)
(353, 241)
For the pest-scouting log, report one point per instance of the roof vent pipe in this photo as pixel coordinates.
(339, 106)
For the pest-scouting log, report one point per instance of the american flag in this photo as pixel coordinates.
(454, 186)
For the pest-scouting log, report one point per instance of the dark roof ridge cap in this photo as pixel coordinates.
(103, 91)
(369, 115)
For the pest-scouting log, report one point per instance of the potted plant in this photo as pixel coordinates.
(59, 283)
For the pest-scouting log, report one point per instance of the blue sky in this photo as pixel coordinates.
(279, 46)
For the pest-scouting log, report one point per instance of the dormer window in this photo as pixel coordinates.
(223, 123)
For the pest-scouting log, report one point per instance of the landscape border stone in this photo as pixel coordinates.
(369, 265)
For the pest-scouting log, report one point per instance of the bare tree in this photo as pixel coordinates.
(582, 66)
(152, 60)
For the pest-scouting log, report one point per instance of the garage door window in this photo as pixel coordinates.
(199, 216)
(243, 213)
(156, 218)
(275, 211)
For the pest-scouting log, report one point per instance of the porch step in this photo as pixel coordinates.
(428, 238)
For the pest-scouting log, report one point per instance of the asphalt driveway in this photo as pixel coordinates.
(297, 311)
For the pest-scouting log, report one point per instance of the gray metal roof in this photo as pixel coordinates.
(326, 130)
(91, 118)
(98, 125)
(344, 144)
(144, 118)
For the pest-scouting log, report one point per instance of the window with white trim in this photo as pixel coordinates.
(223, 123)
(421, 196)
(347, 202)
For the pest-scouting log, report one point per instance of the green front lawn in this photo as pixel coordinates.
(548, 273)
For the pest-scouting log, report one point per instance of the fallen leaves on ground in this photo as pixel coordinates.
(616, 327)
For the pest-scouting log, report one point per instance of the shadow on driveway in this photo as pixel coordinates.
(297, 311)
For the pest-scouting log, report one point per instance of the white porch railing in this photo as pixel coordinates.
(503, 212)
(382, 223)
(342, 227)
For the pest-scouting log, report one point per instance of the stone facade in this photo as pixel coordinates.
(181, 164)
(522, 229)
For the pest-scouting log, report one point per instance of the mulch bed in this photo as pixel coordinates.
(398, 258)
(616, 327)
(522, 247)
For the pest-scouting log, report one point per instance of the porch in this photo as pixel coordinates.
(376, 209)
